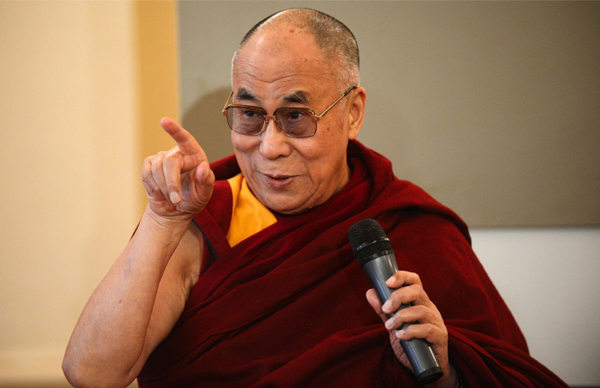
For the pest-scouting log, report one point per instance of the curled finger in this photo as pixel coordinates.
(431, 333)
(403, 278)
(411, 314)
(148, 179)
(171, 169)
(404, 296)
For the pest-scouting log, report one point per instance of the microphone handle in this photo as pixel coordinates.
(418, 350)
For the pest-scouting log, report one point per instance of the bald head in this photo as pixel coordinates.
(336, 42)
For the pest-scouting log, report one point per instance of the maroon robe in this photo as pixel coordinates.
(286, 307)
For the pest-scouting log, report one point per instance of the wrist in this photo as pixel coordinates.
(166, 227)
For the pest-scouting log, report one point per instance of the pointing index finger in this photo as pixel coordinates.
(185, 141)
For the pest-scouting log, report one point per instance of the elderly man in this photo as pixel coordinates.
(240, 273)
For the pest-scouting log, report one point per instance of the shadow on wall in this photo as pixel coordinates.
(206, 123)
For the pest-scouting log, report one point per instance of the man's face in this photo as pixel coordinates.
(284, 68)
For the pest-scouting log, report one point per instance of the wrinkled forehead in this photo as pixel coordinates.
(281, 54)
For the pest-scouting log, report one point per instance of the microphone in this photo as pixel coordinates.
(375, 254)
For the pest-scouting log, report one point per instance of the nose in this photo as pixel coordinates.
(273, 142)
(268, 119)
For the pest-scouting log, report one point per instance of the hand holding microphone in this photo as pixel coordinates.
(422, 333)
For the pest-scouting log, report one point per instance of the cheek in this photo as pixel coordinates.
(325, 160)
(243, 154)
(331, 145)
(243, 145)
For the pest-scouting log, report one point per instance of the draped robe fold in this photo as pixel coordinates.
(286, 307)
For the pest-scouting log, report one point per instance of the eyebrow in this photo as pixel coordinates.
(246, 95)
(298, 97)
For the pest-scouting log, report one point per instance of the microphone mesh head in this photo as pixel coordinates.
(366, 239)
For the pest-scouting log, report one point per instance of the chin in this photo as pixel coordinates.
(286, 207)
(286, 210)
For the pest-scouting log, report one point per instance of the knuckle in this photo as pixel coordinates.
(153, 159)
(147, 165)
(156, 167)
(172, 155)
(425, 330)
(415, 279)
(146, 172)
(171, 181)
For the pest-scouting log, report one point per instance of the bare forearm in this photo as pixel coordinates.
(113, 328)
(140, 299)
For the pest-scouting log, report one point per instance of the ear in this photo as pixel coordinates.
(356, 113)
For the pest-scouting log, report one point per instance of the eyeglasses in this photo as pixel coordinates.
(294, 122)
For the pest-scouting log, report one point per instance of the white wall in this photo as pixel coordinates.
(549, 279)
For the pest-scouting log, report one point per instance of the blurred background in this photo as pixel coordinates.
(492, 107)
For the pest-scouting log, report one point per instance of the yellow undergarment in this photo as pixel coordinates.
(249, 215)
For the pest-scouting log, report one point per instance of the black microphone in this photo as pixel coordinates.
(375, 254)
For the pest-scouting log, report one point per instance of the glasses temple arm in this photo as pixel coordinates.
(351, 88)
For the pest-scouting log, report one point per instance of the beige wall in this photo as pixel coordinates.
(79, 108)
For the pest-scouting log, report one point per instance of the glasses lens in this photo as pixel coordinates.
(245, 120)
(296, 122)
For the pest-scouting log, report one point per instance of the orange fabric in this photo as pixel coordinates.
(249, 215)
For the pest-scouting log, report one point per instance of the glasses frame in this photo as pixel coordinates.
(273, 117)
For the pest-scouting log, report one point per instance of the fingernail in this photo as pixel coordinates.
(399, 333)
(174, 197)
(386, 306)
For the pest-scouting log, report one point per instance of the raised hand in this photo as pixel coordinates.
(178, 182)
